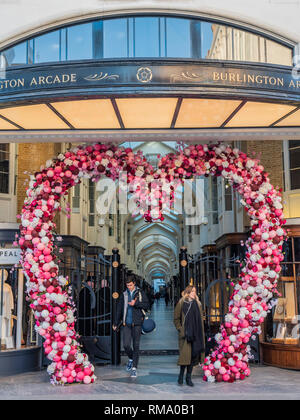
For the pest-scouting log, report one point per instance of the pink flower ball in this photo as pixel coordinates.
(48, 349)
(40, 246)
(87, 371)
(87, 380)
(46, 251)
(231, 349)
(70, 379)
(60, 345)
(67, 373)
(222, 370)
(226, 377)
(56, 310)
(80, 376)
(46, 267)
(235, 322)
(60, 318)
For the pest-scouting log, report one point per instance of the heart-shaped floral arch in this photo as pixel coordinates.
(48, 291)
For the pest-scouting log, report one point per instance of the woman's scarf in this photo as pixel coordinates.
(193, 327)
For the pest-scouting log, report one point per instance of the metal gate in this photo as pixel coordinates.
(91, 292)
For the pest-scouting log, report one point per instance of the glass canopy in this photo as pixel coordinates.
(148, 37)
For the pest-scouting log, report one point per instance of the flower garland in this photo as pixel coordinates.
(48, 291)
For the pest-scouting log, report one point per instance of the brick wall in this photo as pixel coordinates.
(270, 154)
(31, 156)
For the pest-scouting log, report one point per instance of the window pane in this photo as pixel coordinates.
(278, 54)
(206, 39)
(115, 38)
(297, 249)
(47, 48)
(295, 179)
(228, 198)
(80, 42)
(16, 55)
(295, 158)
(178, 38)
(146, 37)
(218, 46)
(4, 168)
(287, 250)
(294, 143)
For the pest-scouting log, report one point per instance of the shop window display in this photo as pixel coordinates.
(282, 327)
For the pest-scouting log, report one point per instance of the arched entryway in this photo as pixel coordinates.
(158, 98)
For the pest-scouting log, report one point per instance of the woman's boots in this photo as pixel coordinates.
(189, 375)
(181, 374)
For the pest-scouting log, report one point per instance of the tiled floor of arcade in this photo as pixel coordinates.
(156, 381)
(157, 377)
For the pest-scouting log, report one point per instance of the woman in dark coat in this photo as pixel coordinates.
(188, 320)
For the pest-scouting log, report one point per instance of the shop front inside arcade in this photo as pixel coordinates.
(148, 78)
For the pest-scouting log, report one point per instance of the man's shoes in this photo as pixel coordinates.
(129, 365)
(133, 373)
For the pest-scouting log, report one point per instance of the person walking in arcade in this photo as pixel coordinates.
(188, 320)
(131, 312)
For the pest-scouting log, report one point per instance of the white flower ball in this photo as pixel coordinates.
(67, 349)
(272, 274)
(25, 223)
(251, 290)
(63, 326)
(56, 326)
(231, 362)
(217, 364)
(45, 325)
(45, 313)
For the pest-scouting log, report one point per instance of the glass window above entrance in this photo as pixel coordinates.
(149, 37)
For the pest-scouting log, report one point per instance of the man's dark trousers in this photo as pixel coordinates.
(132, 333)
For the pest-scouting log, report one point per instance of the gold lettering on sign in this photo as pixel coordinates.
(247, 78)
(53, 79)
(12, 84)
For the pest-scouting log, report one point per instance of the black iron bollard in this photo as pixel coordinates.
(183, 268)
(115, 335)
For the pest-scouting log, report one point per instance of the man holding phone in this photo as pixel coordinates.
(131, 313)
